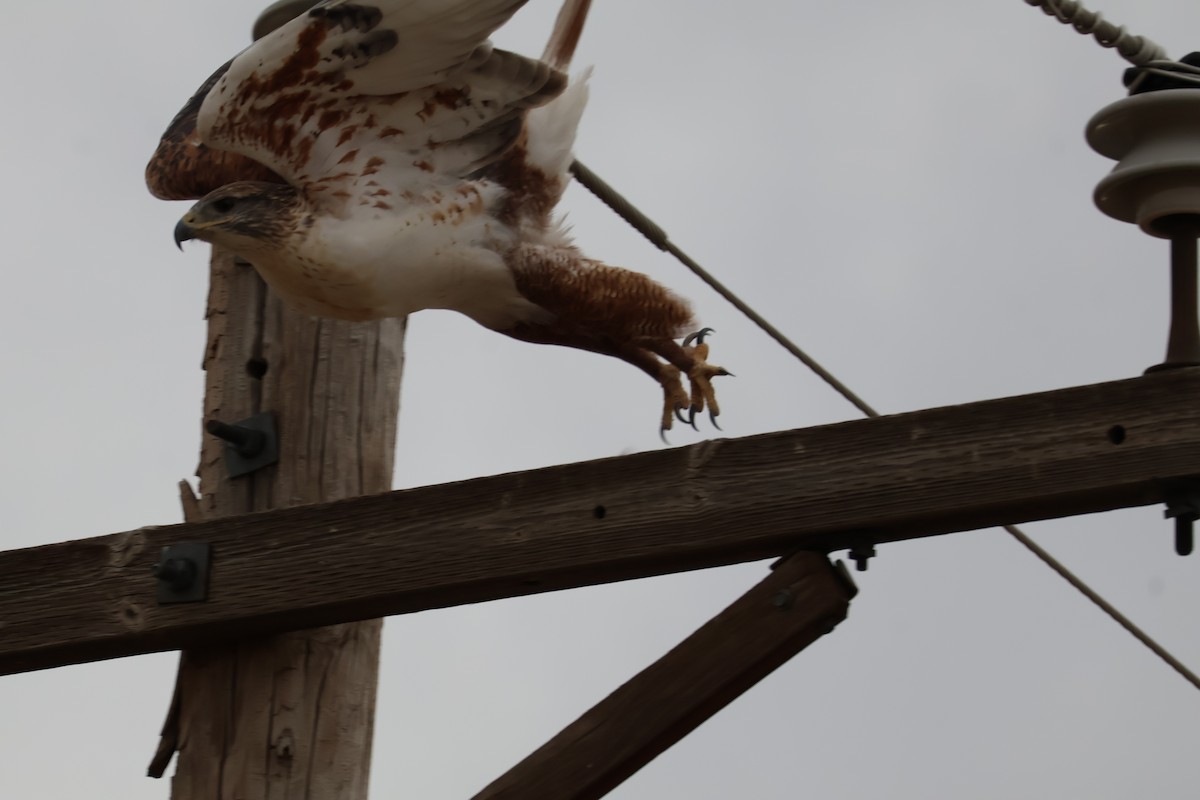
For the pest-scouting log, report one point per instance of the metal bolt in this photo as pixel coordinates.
(860, 555)
(1183, 535)
(783, 599)
(1183, 506)
(178, 573)
(247, 442)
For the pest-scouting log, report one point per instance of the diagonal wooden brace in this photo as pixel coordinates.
(800, 601)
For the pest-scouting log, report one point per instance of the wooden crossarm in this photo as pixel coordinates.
(1071, 451)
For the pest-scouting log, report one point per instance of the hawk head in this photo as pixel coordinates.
(244, 217)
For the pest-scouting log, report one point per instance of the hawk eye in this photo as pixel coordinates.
(223, 205)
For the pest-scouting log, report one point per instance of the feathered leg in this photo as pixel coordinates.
(619, 313)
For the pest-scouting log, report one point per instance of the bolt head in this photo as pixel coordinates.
(178, 573)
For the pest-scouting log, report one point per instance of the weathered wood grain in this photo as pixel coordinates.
(289, 715)
(720, 502)
(796, 604)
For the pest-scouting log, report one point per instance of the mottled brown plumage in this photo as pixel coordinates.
(611, 302)
(619, 313)
(184, 168)
(379, 157)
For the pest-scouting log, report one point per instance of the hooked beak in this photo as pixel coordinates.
(183, 232)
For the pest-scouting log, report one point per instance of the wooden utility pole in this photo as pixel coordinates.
(290, 715)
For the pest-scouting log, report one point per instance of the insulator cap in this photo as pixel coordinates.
(1155, 138)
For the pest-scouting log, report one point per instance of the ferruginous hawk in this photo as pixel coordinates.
(379, 157)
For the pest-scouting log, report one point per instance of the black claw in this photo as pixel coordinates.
(662, 434)
(679, 415)
(698, 336)
(713, 419)
(691, 420)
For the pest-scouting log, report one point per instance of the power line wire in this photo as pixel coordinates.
(1147, 57)
(1137, 50)
(1107, 607)
(658, 237)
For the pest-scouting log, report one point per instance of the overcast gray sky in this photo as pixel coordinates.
(903, 187)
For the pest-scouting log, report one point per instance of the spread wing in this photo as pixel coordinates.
(390, 89)
(184, 168)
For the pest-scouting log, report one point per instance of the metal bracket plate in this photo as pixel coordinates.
(250, 444)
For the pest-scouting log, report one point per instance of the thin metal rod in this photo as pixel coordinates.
(658, 237)
(1183, 343)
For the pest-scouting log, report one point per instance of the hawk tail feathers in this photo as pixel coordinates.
(551, 128)
(550, 131)
(568, 27)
